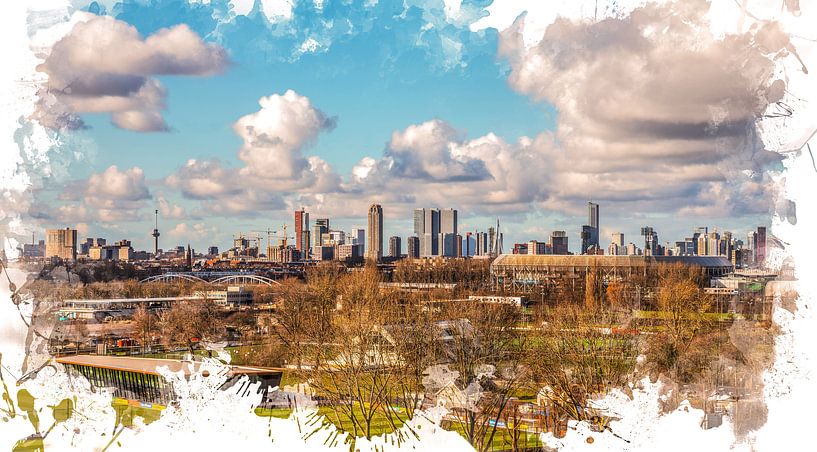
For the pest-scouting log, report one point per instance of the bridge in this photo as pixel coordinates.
(213, 278)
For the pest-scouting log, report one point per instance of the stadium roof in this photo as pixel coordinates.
(584, 260)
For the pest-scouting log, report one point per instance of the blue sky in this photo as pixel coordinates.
(369, 73)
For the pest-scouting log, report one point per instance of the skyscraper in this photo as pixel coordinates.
(751, 245)
(301, 230)
(374, 249)
(413, 245)
(558, 242)
(496, 244)
(320, 228)
(760, 247)
(427, 229)
(447, 237)
(358, 236)
(587, 238)
(713, 244)
(394, 246)
(650, 241)
(61, 243)
(481, 247)
(593, 222)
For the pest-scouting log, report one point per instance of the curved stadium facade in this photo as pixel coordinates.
(524, 272)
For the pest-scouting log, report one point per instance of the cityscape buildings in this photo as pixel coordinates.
(413, 247)
(559, 242)
(302, 231)
(760, 246)
(394, 246)
(437, 235)
(374, 249)
(61, 243)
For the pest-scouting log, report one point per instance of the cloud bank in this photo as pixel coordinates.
(103, 65)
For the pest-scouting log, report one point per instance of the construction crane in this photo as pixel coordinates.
(270, 233)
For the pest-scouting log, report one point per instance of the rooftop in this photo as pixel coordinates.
(585, 260)
(151, 365)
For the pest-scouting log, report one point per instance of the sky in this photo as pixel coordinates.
(226, 116)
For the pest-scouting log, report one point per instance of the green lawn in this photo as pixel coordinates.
(503, 438)
(380, 423)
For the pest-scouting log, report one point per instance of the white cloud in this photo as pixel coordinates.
(275, 135)
(654, 111)
(170, 211)
(115, 185)
(274, 139)
(197, 231)
(103, 65)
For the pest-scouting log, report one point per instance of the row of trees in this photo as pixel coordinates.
(376, 356)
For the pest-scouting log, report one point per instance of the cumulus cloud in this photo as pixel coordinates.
(427, 151)
(434, 164)
(273, 142)
(656, 115)
(205, 179)
(197, 231)
(115, 185)
(650, 105)
(274, 138)
(103, 65)
(171, 211)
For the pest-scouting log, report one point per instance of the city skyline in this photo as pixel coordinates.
(477, 131)
(327, 226)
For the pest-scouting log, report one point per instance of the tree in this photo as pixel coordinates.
(483, 350)
(575, 356)
(146, 324)
(681, 307)
(189, 321)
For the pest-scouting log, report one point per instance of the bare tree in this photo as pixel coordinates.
(681, 305)
(483, 348)
(146, 324)
(575, 356)
(190, 321)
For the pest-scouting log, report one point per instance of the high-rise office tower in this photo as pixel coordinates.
(558, 242)
(427, 229)
(448, 232)
(413, 245)
(394, 246)
(320, 228)
(481, 247)
(357, 236)
(751, 245)
(587, 238)
(593, 222)
(760, 247)
(61, 243)
(374, 249)
(491, 240)
(727, 245)
(618, 238)
(301, 230)
(713, 244)
(650, 241)
(700, 245)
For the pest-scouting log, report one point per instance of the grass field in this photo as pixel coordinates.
(502, 440)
